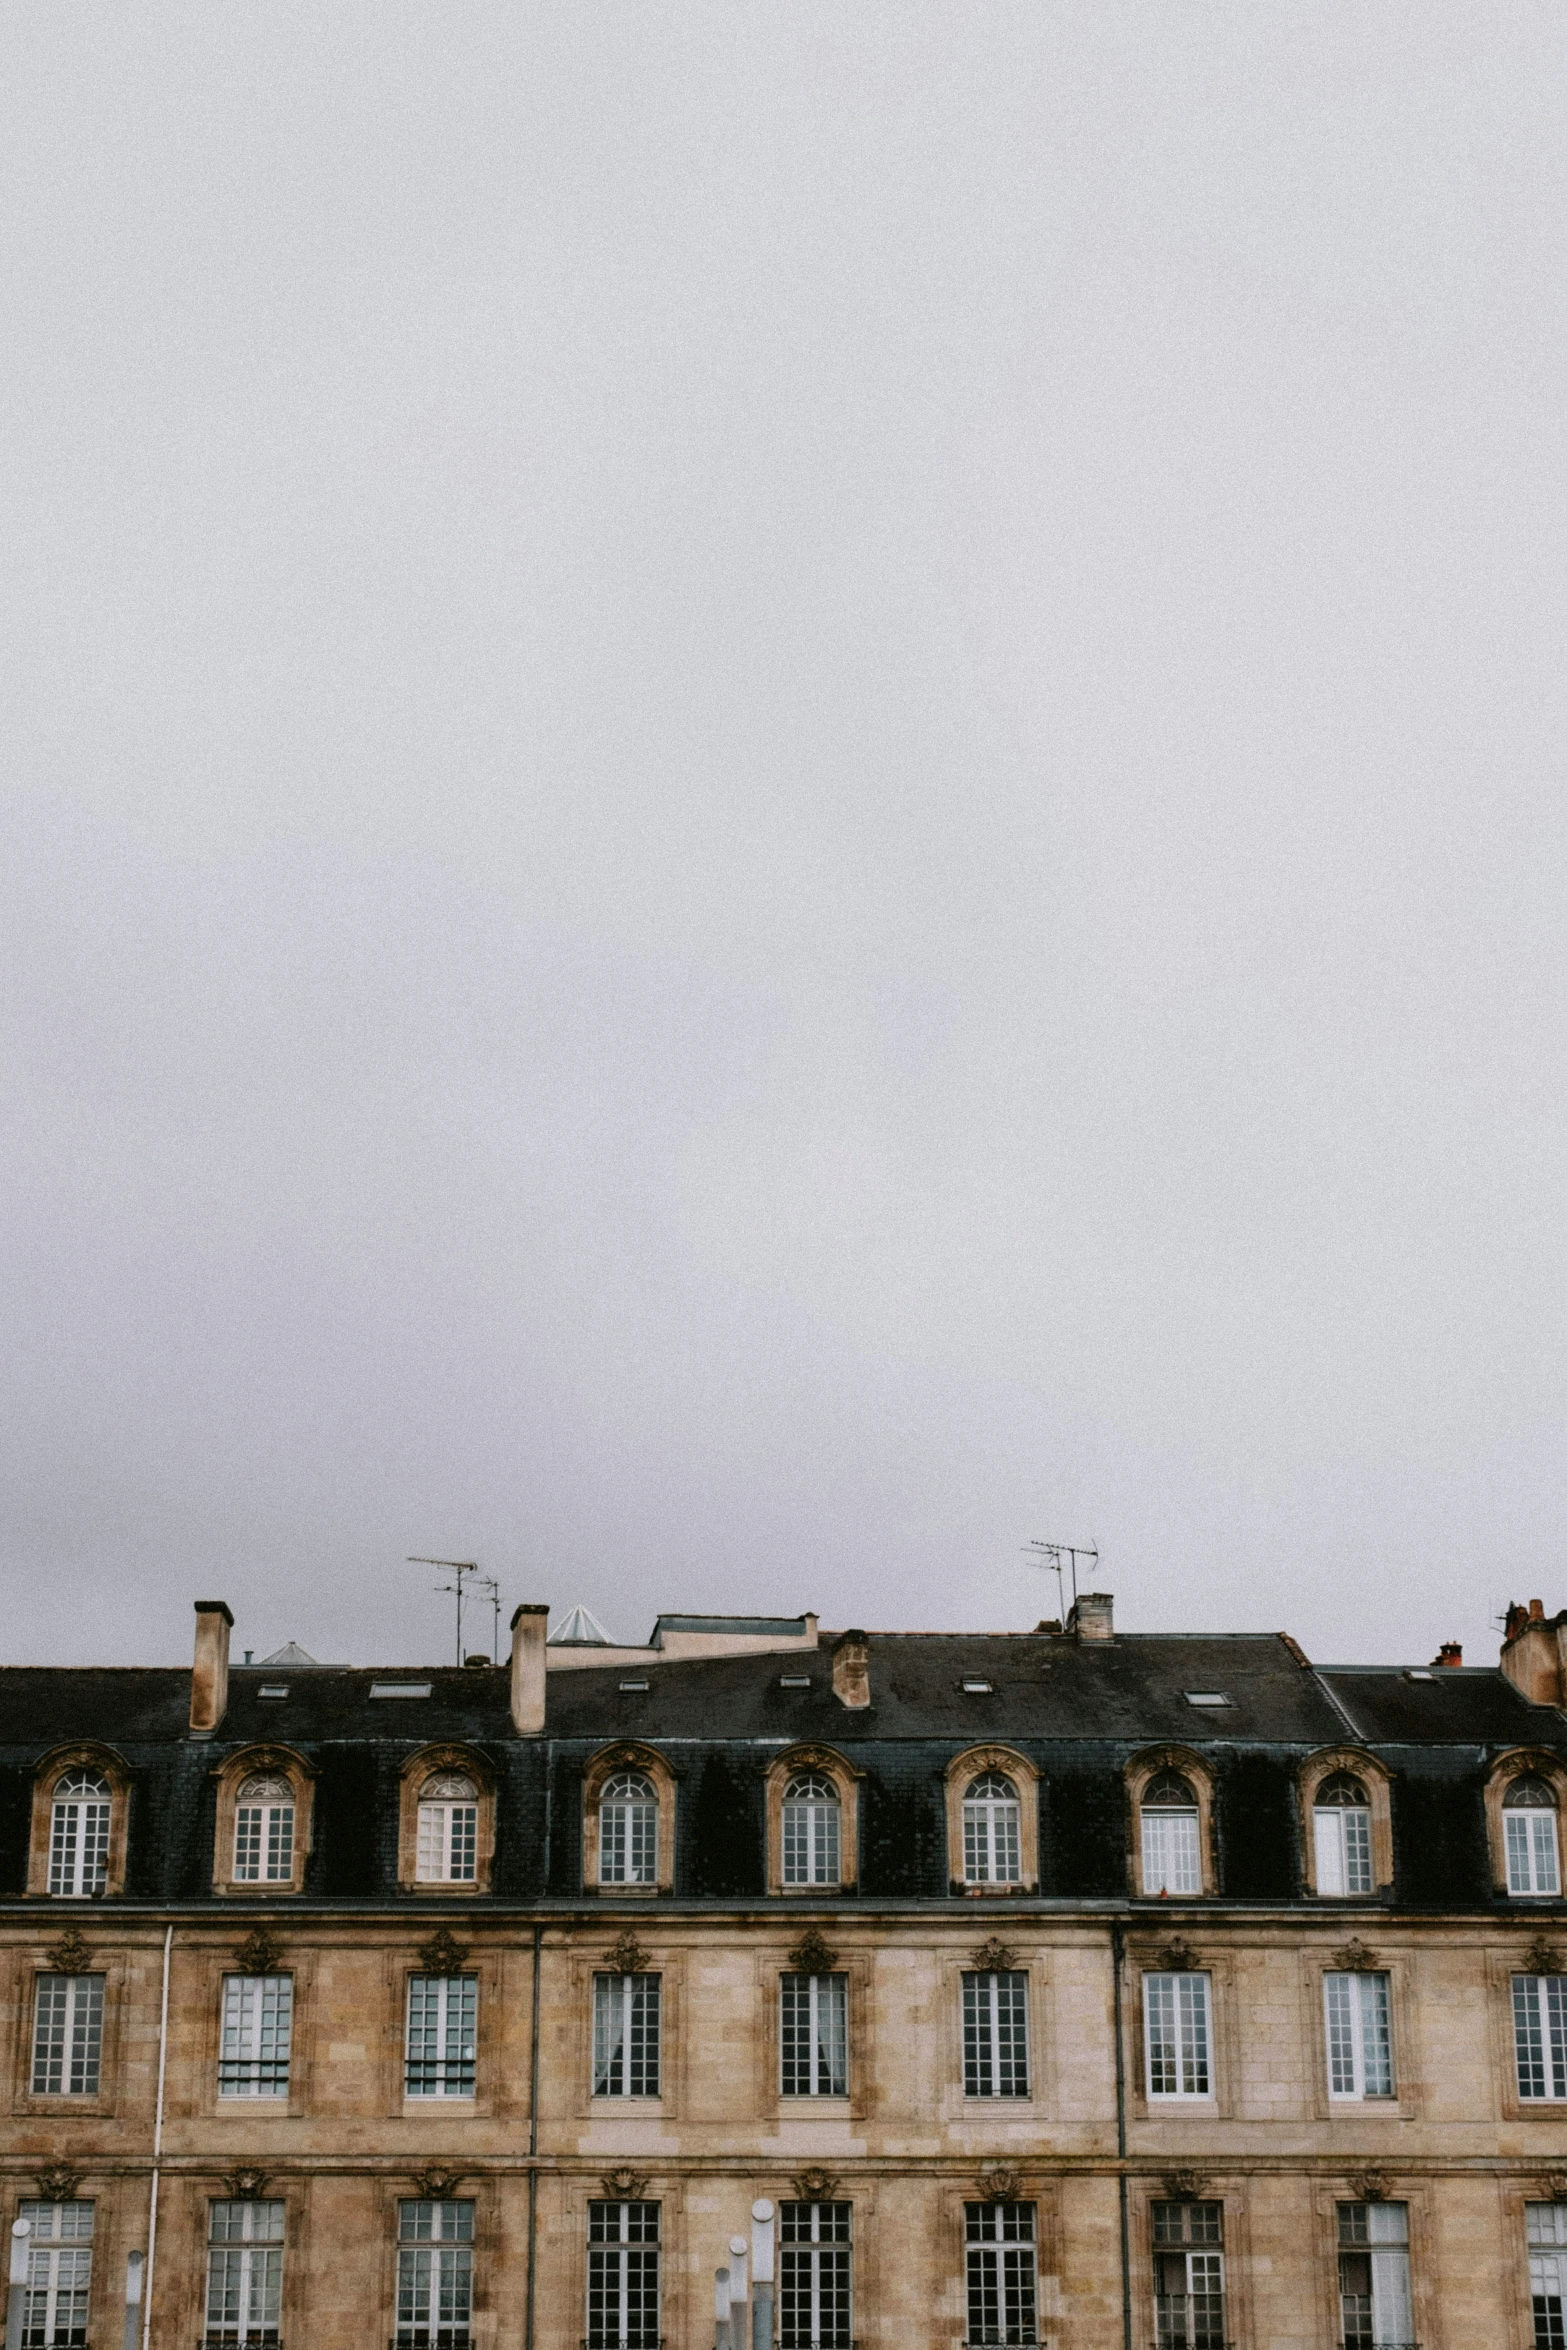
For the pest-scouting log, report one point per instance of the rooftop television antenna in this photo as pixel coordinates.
(459, 1568)
(1058, 1557)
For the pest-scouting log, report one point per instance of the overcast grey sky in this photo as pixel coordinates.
(784, 798)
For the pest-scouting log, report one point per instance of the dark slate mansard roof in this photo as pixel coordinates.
(1078, 1709)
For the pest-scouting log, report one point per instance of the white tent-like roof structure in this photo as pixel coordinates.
(581, 1629)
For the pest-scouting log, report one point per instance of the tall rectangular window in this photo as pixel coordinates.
(1540, 2035)
(258, 2021)
(1373, 2276)
(995, 2035)
(625, 2035)
(1547, 2231)
(815, 2277)
(1003, 2292)
(67, 2035)
(434, 2275)
(1188, 2275)
(1341, 1837)
(59, 2275)
(1178, 2033)
(442, 2047)
(622, 2276)
(1360, 2035)
(813, 2035)
(244, 2275)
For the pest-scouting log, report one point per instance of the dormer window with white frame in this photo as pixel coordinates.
(448, 1829)
(992, 1846)
(1530, 1836)
(264, 1830)
(80, 1814)
(1171, 1835)
(1341, 1836)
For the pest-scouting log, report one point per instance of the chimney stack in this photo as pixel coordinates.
(529, 1630)
(1534, 1652)
(209, 1680)
(1093, 1616)
(1450, 1653)
(851, 1670)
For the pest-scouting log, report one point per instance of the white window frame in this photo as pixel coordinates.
(1540, 2038)
(446, 1840)
(1178, 2019)
(992, 1831)
(1545, 2226)
(1172, 1849)
(1001, 2270)
(434, 2266)
(256, 2039)
(1357, 2013)
(57, 2296)
(245, 2272)
(67, 2035)
(1533, 1845)
(441, 2036)
(1199, 2248)
(812, 1830)
(628, 2035)
(816, 2269)
(614, 2260)
(628, 1830)
(264, 1831)
(995, 2034)
(1386, 2246)
(1341, 1840)
(81, 1813)
(813, 2035)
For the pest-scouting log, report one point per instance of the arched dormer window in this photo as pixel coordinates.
(993, 1821)
(1172, 1848)
(448, 1852)
(262, 1837)
(813, 1833)
(628, 1821)
(1170, 1824)
(76, 1851)
(1530, 1834)
(79, 1816)
(628, 1830)
(991, 1841)
(446, 1830)
(1346, 1816)
(1341, 1835)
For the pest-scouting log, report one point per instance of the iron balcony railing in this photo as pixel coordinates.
(431, 2338)
(234, 2338)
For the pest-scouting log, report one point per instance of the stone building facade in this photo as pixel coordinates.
(1066, 1987)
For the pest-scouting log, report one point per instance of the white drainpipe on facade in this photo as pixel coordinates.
(157, 2146)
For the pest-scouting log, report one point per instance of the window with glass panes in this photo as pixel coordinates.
(1177, 2030)
(992, 1845)
(1001, 2260)
(628, 1831)
(1341, 1836)
(1172, 1855)
(1546, 2227)
(1359, 2020)
(264, 1831)
(815, 2277)
(258, 2024)
(58, 2289)
(1540, 2035)
(1373, 2276)
(995, 2034)
(442, 2045)
(626, 2020)
(67, 2035)
(813, 2035)
(812, 1831)
(79, 1834)
(448, 1830)
(244, 2275)
(623, 2277)
(434, 2275)
(1188, 2275)
(1529, 1833)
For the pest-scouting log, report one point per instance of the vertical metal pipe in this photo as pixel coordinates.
(157, 2145)
(1118, 1958)
(533, 2137)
